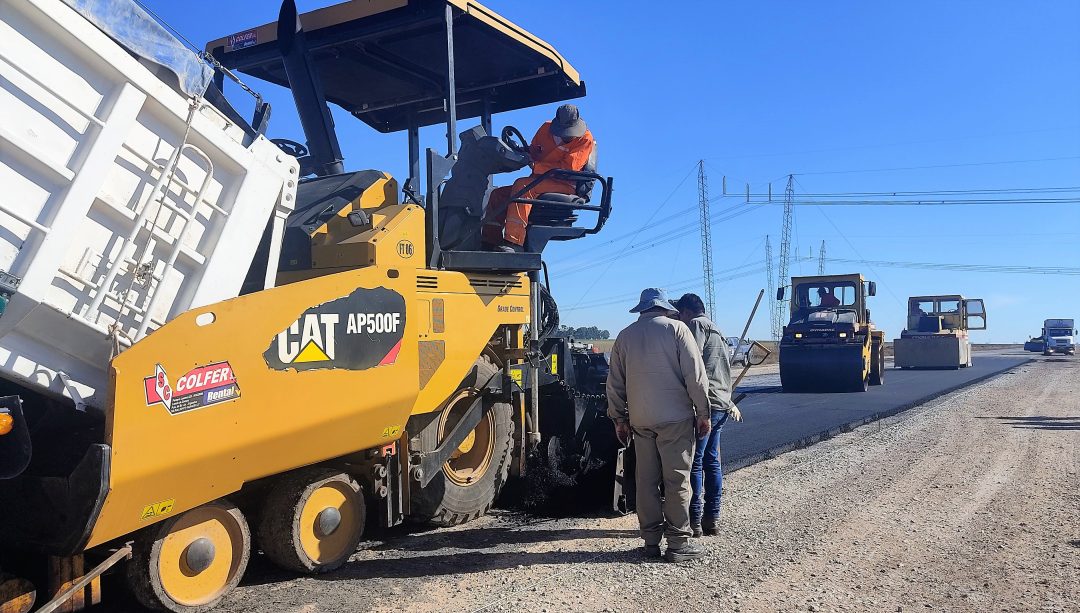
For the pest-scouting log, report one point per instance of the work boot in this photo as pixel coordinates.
(652, 551)
(696, 529)
(690, 551)
(710, 526)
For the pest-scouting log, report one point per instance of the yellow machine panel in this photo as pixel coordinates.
(292, 376)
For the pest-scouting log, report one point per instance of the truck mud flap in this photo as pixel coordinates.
(54, 515)
(15, 446)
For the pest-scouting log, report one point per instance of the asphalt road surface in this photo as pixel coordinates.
(775, 422)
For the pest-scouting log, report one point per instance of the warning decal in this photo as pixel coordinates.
(158, 508)
(199, 387)
(360, 331)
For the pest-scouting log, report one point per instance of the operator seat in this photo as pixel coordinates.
(556, 221)
(461, 203)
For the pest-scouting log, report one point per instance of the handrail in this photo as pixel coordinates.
(604, 209)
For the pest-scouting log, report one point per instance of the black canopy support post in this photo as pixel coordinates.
(451, 85)
(438, 168)
(308, 93)
(414, 154)
(485, 115)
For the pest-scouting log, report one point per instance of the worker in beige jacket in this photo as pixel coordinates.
(657, 388)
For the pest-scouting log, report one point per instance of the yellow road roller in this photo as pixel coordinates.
(830, 344)
(937, 332)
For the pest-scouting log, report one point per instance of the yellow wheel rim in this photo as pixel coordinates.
(196, 586)
(320, 545)
(473, 456)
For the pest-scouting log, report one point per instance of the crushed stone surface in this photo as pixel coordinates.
(968, 503)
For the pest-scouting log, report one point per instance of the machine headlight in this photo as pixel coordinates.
(843, 335)
(798, 335)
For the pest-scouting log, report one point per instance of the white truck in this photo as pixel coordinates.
(1058, 336)
(132, 192)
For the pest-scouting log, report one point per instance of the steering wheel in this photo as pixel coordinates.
(509, 135)
(291, 147)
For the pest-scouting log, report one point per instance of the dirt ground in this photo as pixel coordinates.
(968, 503)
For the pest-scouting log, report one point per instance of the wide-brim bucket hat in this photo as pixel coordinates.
(568, 122)
(651, 298)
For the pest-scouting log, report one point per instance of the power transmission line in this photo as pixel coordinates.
(655, 212)
(900, 168)
(926, 202)
(661, 239)
(933, 192)
(821, 260)
(706, 237)
(985, 268)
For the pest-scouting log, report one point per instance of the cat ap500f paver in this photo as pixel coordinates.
(217, 341)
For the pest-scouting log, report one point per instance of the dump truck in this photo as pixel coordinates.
(215, 342)
(1057, 336)
(830, 344)
(937, 332)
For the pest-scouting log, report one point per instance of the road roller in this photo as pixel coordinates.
(830, 343)
(937, 330)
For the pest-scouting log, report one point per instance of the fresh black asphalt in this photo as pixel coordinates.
(775, 422)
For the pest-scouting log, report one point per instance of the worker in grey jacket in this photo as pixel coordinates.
(706, 475)
(657, 389)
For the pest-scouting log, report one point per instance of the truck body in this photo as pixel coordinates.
(1057, 336)
(937, 329)
(210, 337)
(125, 204)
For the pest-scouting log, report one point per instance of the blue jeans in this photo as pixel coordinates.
(706, 478)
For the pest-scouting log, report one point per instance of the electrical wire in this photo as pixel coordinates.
(655, 212)
(959, 165)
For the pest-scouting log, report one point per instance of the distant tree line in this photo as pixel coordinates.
(585, 333)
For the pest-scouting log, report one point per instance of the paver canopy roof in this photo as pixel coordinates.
(385, 61)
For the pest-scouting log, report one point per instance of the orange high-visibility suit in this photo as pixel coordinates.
(510, 220)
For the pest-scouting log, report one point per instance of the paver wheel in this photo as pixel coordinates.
(470, 481)
(188, 563)
(312, 520)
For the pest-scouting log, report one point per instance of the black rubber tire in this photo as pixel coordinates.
(877, 363)
(861, 383)
(145, 584)
(446, 503)
(278, 530)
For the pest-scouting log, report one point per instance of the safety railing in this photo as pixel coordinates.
(603, 209)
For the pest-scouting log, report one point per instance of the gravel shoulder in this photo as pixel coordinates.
(970, 502)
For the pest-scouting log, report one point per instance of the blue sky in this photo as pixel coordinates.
(848, 96)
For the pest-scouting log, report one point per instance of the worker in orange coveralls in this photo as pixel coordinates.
(564, 142)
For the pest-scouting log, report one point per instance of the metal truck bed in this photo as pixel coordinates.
(128, 198)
